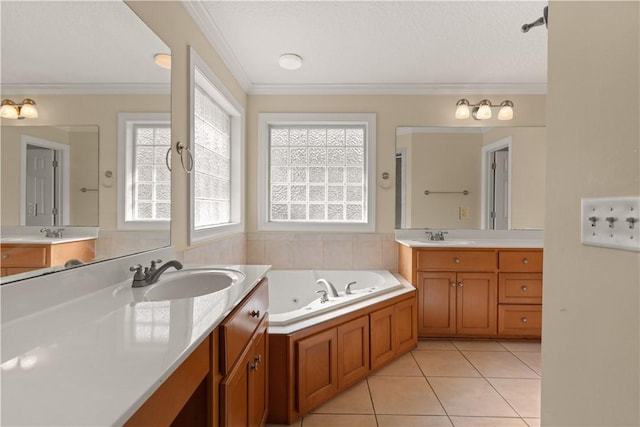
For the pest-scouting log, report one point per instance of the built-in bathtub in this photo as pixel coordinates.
(293, 294)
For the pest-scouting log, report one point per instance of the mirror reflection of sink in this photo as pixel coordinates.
(192, 283)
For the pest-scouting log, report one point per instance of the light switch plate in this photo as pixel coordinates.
(611, 222)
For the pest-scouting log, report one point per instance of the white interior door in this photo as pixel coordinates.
(501, 190)
(40, 187)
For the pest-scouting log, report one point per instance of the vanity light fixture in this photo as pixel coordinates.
(290, 61)
(482, 110)
(26, 110)
(163, 60)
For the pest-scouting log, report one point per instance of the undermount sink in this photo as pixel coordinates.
(192, 283)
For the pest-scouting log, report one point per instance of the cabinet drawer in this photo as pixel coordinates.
(521, 261)
(24, 256)
(457, 260)
(520, 320)
(520, 288)
(237, 329)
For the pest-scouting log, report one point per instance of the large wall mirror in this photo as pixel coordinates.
(103, 118)
(470, 178)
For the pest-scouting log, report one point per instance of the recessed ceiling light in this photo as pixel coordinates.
(290, 61)
(163, 60)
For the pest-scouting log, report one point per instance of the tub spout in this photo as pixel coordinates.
(347, 289)
(330, 288)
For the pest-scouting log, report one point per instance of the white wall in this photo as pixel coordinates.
(591, 329)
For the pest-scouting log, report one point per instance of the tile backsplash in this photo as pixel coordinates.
(323, 251)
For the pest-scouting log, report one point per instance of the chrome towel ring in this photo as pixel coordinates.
(181, 149)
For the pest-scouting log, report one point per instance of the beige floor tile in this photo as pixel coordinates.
(404, 366)
(487, 422)
(522, 345)
(355, 400)
(522, 395)
(531, 359)
(341, 420)
(435, 345)
(413, 421)
(499, 364)
(403, 396)
(470, 397)
(295, 424)
(478, 345)
(444, 364)
(533, 422)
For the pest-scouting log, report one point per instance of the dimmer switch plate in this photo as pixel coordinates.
(611, 222)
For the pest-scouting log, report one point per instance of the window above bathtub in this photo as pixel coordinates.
(316, 172)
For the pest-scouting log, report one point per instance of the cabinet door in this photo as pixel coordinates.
(234, 394)
(437, 304)
(476, 304)
(317, 376)
(258, 378)
(353, 351)
(406, 325)
(383, 336)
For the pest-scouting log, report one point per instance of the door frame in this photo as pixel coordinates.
(485, 193)
(63, 183)
(401, 180)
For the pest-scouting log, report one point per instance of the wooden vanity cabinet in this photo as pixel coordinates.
(476, 292)
(20, 258)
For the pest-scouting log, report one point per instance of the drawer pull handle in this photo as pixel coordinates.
(525, 260)
(461, 284)
(524, 319)
(254, 367)
(524, 288)
(456, 260)
(257, 358)
(254, 313)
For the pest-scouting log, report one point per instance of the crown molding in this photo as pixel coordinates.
(88, 89)
(408, 130)
(210, 30)
(398, 89)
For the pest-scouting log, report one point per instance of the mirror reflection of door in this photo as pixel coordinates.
(499, 189)
(40, 186)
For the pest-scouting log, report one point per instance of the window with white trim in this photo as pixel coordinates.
(144, 197)
(217, 144)
(317, 172)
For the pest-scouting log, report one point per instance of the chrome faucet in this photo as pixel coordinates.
(330, 288)
(149, 276)
(436, 235)
(347, 289)
(323, 296)
(52, 233)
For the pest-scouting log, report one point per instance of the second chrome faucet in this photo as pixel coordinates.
(150, 275)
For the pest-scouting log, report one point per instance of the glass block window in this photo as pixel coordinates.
(317, 173)
(212, 153)
(151, 178)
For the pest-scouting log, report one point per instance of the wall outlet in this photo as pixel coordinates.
(611, 222)
(464, 212)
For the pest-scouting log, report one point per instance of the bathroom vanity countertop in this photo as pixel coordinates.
(94, 360)
(460, 239)
(41, 240)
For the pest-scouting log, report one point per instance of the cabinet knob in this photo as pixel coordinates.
(456, 260)
(461, 284)
(5, 256)
(453, 284)
(257, 358)
(525, 260)
(254, 367)
(524, 288)
(524, 319)
(254, 313)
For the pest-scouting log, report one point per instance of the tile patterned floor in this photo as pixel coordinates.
(453, 383)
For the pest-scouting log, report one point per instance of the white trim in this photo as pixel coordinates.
(88, 89)
(200, 73)
(403, 155)
(64, 165)
(200, 14)
(484, 201)
(125, 169)
(267, 119)
(397, 89)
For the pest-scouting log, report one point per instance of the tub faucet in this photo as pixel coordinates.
(151, 275)
(347, 289)
(323, 296)
(330, 288)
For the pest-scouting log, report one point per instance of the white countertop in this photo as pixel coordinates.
(460, 239)
(41, 240)
(94, 360)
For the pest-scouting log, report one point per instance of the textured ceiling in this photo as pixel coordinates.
(379, 45)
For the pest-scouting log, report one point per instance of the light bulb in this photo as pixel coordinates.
(506, 111)
(484, 110)
(163, 60)
(8, 109)
(28, 109)
(462, 110)
(290, 61)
